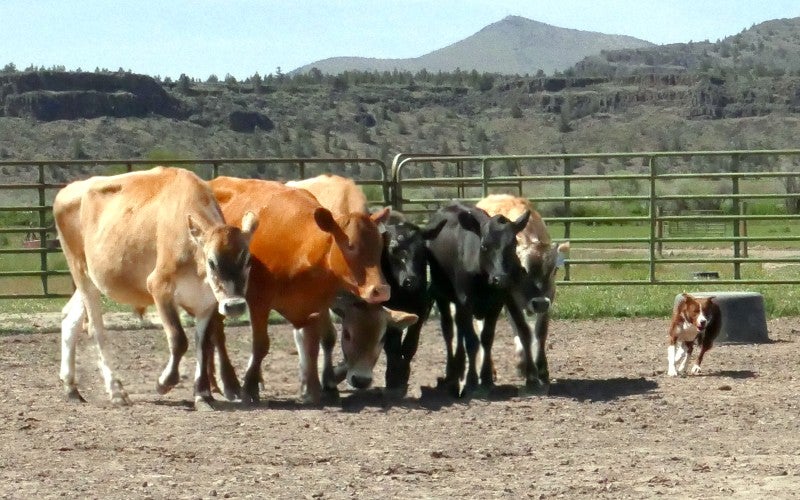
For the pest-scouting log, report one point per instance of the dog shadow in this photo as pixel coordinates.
(598, 390)
(734, 374)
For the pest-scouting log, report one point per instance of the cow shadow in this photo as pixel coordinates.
(597, 390)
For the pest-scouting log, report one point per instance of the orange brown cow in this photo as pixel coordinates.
(154, 237)
(363, 325)
(299, 264)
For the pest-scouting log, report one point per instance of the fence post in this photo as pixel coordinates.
(651, 163)
(737, 266)
(659, 231)
(485, 172)
(567, 208)
(43, 230)
(743, 227)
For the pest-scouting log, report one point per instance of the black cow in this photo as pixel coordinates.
(540, 257)
(404, 264)
(474, 266)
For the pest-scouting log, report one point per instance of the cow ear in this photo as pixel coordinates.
(469, 222)
(381, 215)
(400, 319)
(432, 232)
(249, 223)
(326, 222)
(521, 221)
(195, 231)
(324, 219)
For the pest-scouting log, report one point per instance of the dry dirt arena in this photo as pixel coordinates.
(613, 425)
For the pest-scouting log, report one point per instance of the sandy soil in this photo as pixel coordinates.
(613, 426)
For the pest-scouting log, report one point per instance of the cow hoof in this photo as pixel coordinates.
(250, 398)
(203, 403)
(162, 389)
(121, 399)
(395, 393)
(534, 388)
(482, 391)
(310, 400)
(232, 394)
(74, 396)
(330, 396)
(339, 373)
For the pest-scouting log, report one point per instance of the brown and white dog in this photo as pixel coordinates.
(694, 321)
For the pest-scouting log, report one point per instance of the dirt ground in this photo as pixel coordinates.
(613, 425)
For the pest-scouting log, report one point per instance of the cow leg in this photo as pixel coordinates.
(487, 340)
(71, 326)
(451, 374)
(540, 347)
(330, 379)
(410, 346)
(468, 340)
(393, 346)
(259, 320)
(178, 345)
(307, 340)
(91, 296)
(204, 352)
(231, 388)
(526, 368)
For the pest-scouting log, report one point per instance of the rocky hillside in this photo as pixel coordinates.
(656, 98)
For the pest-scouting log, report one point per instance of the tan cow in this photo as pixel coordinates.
(363, 324)
(541, 258)
(154, 237)
(299, 265)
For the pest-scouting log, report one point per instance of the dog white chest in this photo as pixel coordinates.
(686, 332)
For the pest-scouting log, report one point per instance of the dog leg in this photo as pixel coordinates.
(671, 371)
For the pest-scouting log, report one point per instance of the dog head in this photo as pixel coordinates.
(696, 312)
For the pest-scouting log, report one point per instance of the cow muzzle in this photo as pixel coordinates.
(359, 381)
(500, 280)
(376, 294)
(539, 305)
(232, 307)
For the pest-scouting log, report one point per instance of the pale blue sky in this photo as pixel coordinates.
(241, 37)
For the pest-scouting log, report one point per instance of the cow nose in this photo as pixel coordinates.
(377, 294)
(499, 280)
(232, 307)
(539, 304)
(360, 381)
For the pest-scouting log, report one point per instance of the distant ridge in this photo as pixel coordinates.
(514, 45)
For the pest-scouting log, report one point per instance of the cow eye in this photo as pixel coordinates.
(212, 265)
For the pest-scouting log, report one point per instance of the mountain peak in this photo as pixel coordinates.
(513, 45)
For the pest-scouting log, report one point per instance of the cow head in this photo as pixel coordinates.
(498, 241)
(223, 255)
(363, 332)
(405, 255)
(360, 243)
(540, 261)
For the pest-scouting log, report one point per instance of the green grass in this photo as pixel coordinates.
(574, 301)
